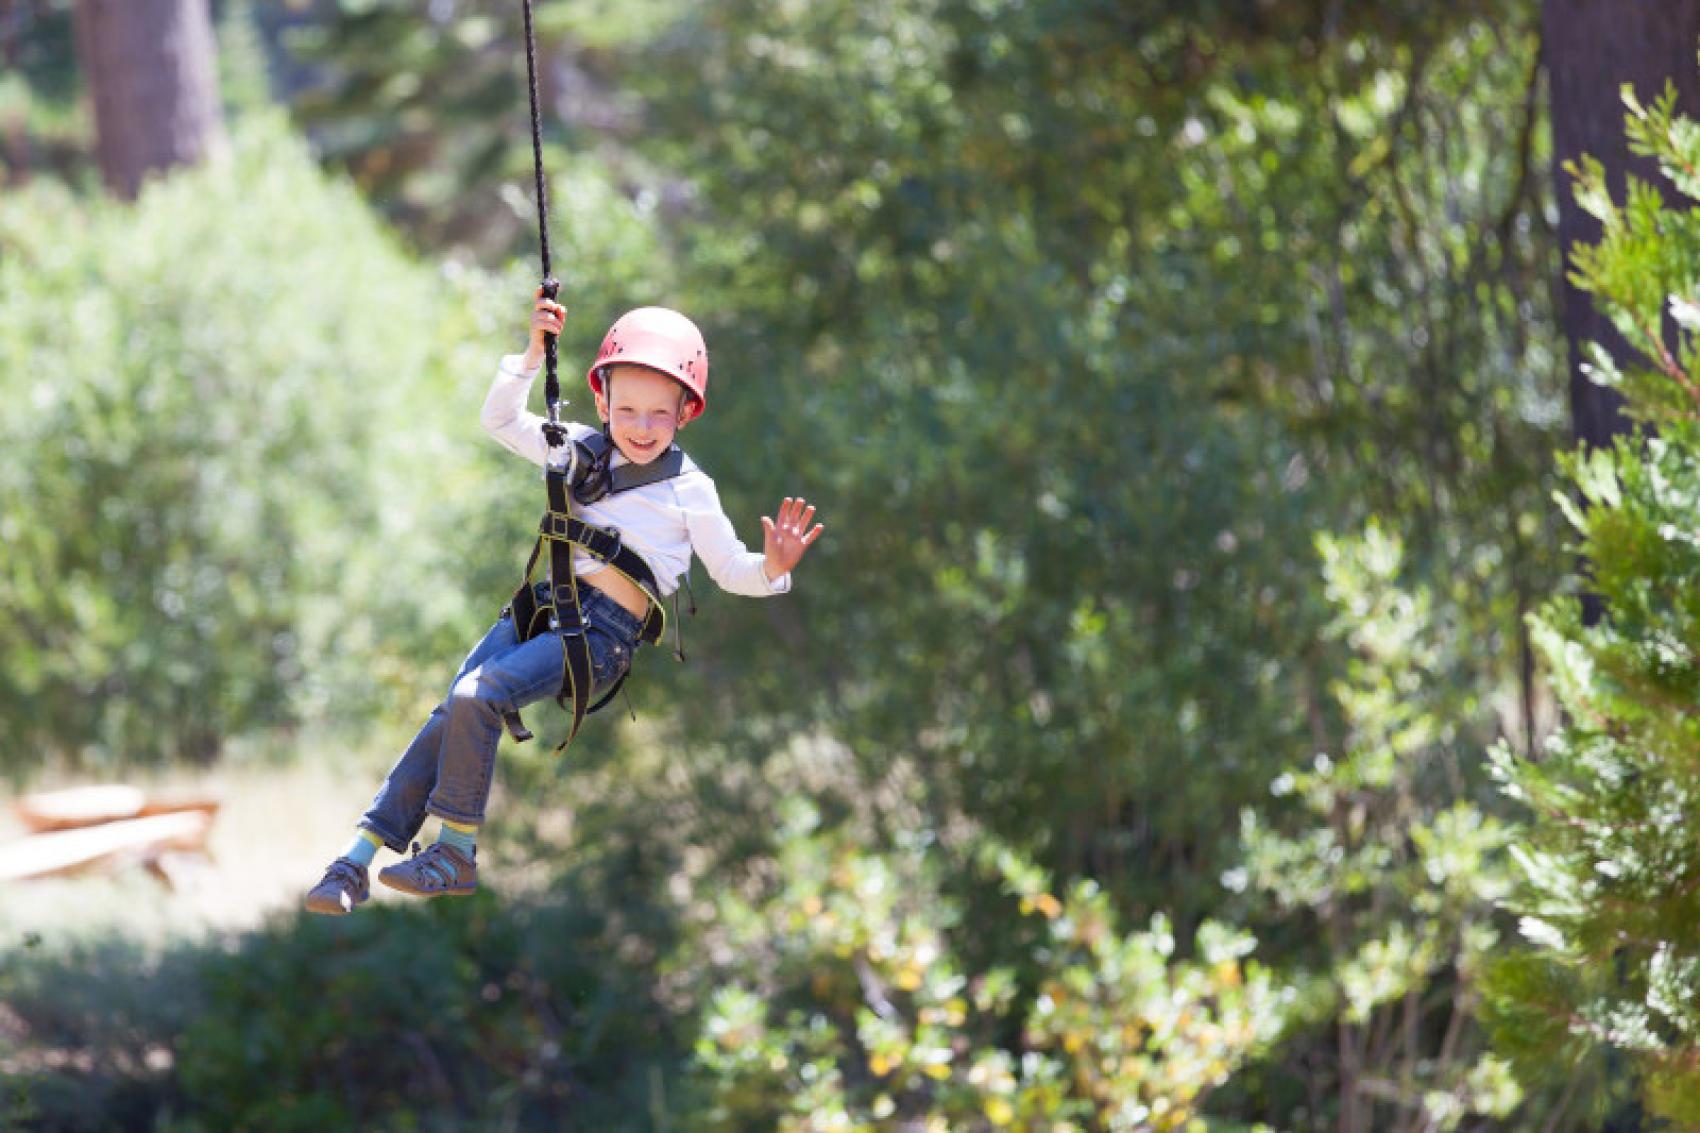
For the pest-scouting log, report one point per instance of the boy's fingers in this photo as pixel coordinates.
(766, 525)
(813, 535)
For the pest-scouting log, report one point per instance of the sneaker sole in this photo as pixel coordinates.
(404, 886)
(330, 909)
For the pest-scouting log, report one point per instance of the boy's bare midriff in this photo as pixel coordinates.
(620, 588)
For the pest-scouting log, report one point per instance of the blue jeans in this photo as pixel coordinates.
(446, 770)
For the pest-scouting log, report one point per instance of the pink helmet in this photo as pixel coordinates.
(662, 340)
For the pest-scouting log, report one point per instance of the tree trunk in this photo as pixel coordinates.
(150, 67)
(1594, 47)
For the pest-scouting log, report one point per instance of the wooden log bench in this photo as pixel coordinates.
(104, 827)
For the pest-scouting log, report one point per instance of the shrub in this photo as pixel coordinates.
(846, 1005)
(435, 1016)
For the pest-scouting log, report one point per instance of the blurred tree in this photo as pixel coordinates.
(152, 71)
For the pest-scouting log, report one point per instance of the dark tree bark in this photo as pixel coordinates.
(151, 70)
(1592, 48)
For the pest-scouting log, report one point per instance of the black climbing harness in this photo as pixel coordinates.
(584, 474)
(552, 605)
(596, 477)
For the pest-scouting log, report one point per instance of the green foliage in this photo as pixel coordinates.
(1078, 322)
(436, 1017)
(850, 1005)
(1077, 319)
(1100, 348)
(247, 485)
(1378, 853)
(1611, 868)
(209, 447)
(427, 109)
(517, 1014)
(86, 1038)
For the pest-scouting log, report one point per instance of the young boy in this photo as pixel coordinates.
(650, 379)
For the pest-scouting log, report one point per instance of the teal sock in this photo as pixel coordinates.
(461, 836)
(364, 848)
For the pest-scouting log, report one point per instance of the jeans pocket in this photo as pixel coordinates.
(610, 657)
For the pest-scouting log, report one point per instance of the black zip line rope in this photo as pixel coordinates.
(553, 430)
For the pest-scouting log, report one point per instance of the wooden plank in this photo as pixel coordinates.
(90, 806)
(79, 806)
(171, 804)
(63, 851)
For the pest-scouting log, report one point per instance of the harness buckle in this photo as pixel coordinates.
(565, 619)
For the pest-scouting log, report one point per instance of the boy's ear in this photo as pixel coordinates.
(601, 404)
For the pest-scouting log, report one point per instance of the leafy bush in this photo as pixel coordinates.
(844, 1003)
(432, 1016)
(87, 1031)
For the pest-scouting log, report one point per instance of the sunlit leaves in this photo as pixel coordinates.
(863, 1013)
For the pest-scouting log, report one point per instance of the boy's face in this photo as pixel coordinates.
(643, 410)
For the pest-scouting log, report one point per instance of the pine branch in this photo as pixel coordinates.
(1668, 364)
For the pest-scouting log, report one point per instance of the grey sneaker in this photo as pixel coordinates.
(343, 887)
(436, 871)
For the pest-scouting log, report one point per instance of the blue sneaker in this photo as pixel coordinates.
(343, 887)
(439, 870)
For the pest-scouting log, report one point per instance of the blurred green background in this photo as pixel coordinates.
(1163, 736)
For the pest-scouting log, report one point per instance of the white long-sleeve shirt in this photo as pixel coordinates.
(664, 522)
